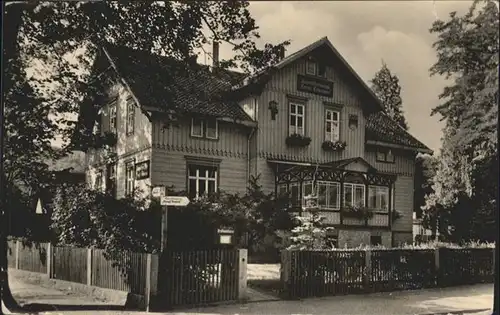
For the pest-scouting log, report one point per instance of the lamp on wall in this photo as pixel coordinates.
(273, 107)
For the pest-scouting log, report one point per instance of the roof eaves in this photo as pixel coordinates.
(400, 146)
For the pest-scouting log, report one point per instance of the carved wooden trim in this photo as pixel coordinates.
(297, 98)
(205, 151)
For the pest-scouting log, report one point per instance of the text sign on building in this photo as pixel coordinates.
(314, 85)
(142, 170)
(177, 201)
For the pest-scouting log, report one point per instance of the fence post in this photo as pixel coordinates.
(242, 275)
(151, 288)
(17, 254)
(49, 260)
(368, 269)
(437, 267)
(89, 266)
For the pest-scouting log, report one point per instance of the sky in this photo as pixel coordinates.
(365, 33)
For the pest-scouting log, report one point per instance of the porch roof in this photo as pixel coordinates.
(287, 171)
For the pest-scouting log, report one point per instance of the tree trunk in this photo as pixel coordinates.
(7, 299)
(12, 19)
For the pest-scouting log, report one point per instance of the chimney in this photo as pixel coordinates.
(215, 54)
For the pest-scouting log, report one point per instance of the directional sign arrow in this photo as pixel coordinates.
(178, 201)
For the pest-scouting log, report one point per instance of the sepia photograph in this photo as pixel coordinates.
(249, 157)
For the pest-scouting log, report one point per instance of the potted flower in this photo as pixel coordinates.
(297, 140)
(333, 145)
(357, 212)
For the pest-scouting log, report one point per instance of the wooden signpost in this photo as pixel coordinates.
(165, 201)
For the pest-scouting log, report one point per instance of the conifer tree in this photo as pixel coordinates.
(387, 88)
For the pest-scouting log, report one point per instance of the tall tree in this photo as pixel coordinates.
(387, 88)
(465, 194)
(49, 31)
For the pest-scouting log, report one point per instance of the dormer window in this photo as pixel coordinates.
(311, 67)
(386, 156)
(205, 128)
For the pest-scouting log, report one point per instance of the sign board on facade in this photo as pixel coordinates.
(158, 191)
(314, 85)
(142, 170)
(177, 201)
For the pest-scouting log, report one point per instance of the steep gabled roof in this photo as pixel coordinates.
(380, 128)
(152, 78)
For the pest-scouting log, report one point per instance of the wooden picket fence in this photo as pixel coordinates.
(177, 278)
(86, 266)
(323, 273)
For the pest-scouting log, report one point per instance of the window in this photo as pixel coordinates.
(354, 195)
(202, 180)
(98, 180)
(378, 198)
(329, 195)
(295, 194)
(282, 189)
(129, 178)
(307, 190)
(98, 125)
(385, 156)
(208, 128)
(111, 179)
(310, 67)
(211, 129)
(375, 240)
(321, 70)
(130, 116)
(112, 118)
(332, 125)
(296, 119)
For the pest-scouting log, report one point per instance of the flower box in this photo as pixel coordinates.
(296, 140)
(355, 212)
(333, 145)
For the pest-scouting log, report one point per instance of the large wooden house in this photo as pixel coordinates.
(308, 123)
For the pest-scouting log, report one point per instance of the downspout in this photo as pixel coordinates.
(252, 131)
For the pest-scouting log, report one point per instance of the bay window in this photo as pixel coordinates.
(378, 198)
(329, 195)
(354, 195)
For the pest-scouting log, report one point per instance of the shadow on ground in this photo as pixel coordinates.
(41, 307)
